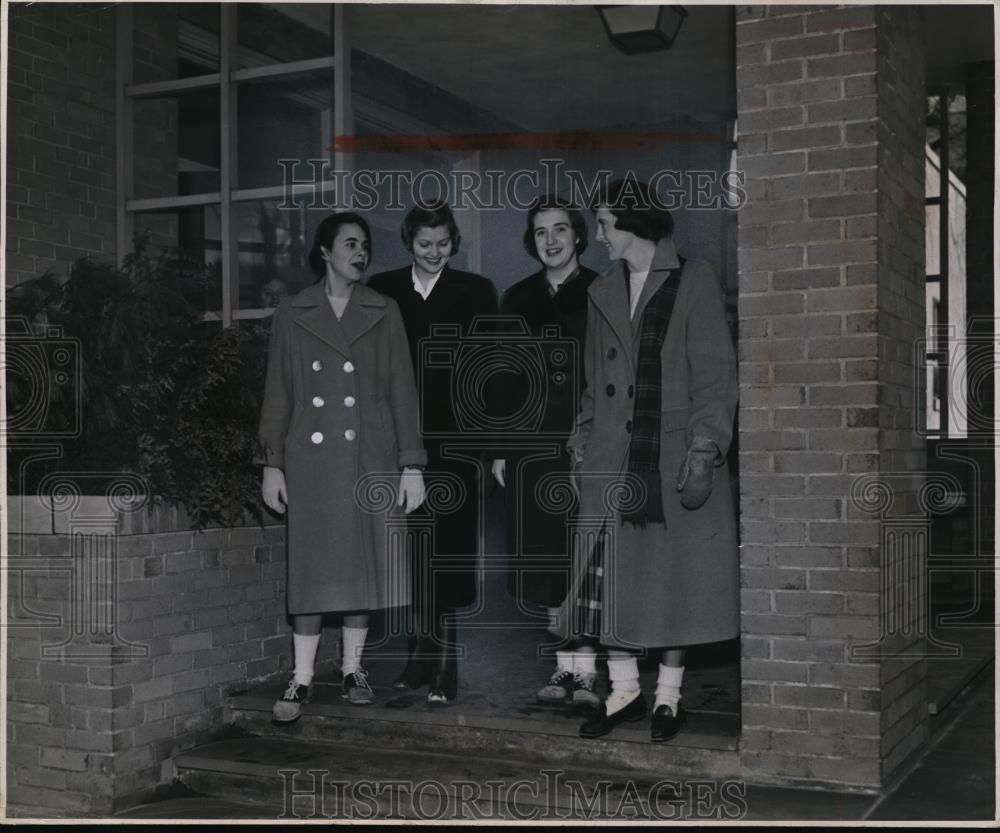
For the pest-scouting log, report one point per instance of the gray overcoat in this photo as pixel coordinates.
(676, 583)
(340, 419)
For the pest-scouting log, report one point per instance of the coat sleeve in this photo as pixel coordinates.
(577, 443)
(276, 410)
(711, 359)
(403, 393)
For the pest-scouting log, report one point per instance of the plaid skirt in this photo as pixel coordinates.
(588, 600)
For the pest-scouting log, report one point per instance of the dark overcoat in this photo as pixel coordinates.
(536, 458)
(675, 583)
(337, 419)
(441, 326)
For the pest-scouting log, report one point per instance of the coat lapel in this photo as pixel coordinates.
(664, 260)
(611, 301)
(364, 310)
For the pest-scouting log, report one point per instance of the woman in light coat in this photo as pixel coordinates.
(337, 427)
(654, 429)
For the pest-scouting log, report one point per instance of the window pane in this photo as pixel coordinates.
(177, 144)
(277, 33)
(194, 232)
(273, 252)
(933, 237)
(174, 40)
(290, 117)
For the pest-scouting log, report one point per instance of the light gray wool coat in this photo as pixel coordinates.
(676, 583)
(340, 420)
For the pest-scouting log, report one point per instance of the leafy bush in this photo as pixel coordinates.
(151, 388)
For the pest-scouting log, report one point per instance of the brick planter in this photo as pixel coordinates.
(126, 632)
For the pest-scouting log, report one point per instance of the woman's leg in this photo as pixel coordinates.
(623, 670)
(354, 634)
(668, 683)
(305, 643)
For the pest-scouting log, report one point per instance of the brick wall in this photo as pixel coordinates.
(901, 323)
(825, 310)
(147, 659)
(60, 135)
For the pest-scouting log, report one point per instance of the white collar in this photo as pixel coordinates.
(419, 286)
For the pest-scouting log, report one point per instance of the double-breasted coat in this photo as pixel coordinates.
(675, 583)
(537, 531)
(338, 420)
(441, 326)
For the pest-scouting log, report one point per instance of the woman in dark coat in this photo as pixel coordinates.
(338, 411)
(551, 306)
(655, 423)
(439, 305)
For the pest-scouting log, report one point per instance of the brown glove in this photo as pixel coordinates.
(697, 474)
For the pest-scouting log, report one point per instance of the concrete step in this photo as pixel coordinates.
(290, 778)
(530, 731)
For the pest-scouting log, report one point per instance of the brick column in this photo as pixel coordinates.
(830, 112)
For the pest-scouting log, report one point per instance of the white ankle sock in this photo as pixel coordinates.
(305, 648)
(353, 641)
(668, 687)
(623, 670)
(564, 660)
(585, 662)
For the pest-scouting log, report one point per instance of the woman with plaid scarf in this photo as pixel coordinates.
(655, 559)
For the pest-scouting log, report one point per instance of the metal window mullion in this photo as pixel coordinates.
(277, 70)
(156, 89)
(227, 136)
(124, 151)
(343, 115)
(944, 239)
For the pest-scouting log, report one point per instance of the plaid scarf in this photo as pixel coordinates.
(644, 446)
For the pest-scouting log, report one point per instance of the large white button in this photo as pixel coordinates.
(318, 401)
(317, 365)
(349, 401)
(317, 438)
(348, 367)
(350, 434)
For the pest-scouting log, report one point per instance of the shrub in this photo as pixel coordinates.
(113, 370)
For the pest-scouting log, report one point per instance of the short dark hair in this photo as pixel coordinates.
(430, 215)
(326, 233)
(635, 208)
(546, 203)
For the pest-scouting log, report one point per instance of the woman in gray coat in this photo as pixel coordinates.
(656, 560)
(337, 426)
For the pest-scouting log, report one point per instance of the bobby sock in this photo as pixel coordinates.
(564, 660)
(623, 670)
(668, 687)
(354, 645)
(584, 662)
(305, 648)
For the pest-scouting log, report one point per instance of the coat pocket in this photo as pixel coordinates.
(674, 419)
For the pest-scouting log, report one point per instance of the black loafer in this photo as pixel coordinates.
(602, 723)
(666, 724)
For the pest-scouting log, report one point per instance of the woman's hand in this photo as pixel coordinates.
(273, 490)
(500, 471)
(411, 489)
